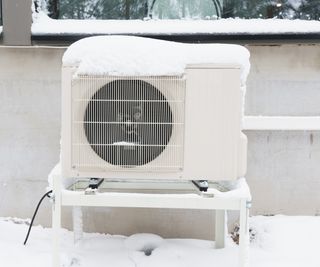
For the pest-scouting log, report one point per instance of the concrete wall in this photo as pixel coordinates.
(17, 20)
(283, 170)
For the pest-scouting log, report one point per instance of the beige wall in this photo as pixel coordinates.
(283, 167)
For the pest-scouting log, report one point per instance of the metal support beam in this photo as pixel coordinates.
(220, 228)
(17, 20)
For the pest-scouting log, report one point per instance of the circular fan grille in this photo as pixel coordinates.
(128, 122)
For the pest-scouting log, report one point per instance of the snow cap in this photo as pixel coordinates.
(138, 56)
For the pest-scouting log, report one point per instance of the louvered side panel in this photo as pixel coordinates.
(212, 129)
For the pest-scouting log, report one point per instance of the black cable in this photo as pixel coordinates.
(35, 214)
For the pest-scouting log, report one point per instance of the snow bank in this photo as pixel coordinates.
(280, 241)
(128, 55)
(43, 25)
(286, 241)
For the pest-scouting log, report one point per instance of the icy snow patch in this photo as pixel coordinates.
(137, 56)
(124, 143)
(235, 189)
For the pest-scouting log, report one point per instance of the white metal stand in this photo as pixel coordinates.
(141, 200)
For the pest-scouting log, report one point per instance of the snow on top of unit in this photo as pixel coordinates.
(42, 24)
(137, 56)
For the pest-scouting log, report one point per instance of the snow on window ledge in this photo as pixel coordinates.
(43, 25)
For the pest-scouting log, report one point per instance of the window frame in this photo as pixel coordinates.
(1, 13)
(308, 38)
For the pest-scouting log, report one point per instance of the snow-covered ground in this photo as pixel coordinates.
(42, 24)
(278, 241)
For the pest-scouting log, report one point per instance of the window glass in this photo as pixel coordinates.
(185, 9)
(181, 9)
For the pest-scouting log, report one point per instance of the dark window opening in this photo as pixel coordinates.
(1, 13)
(180, 9)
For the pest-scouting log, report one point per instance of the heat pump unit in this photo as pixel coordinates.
(184, 126)
(154, 127)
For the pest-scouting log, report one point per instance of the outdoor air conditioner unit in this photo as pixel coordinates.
(154, 127)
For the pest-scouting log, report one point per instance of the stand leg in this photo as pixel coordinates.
(220, 228)
(244, 241)
(56, 222)
(77, 223)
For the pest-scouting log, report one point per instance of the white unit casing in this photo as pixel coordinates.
(179, 127)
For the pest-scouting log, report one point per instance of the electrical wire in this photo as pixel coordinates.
(35, 214)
